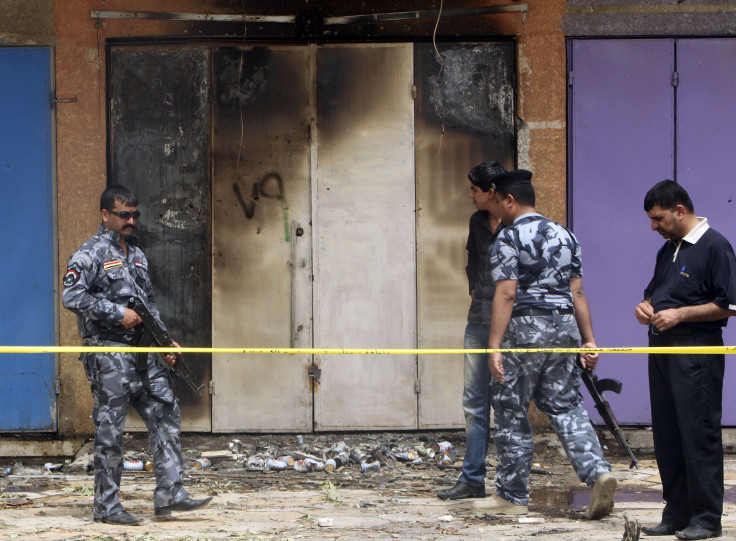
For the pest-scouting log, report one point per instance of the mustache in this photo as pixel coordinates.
(128, 226)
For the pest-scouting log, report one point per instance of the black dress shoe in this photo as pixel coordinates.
(123, 518)
(187, 505)
(462, 490)
(697, 532)
(660, 529)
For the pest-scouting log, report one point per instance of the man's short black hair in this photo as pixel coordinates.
(523, 193)
(482, 175)
(120, 193)
(667, 194)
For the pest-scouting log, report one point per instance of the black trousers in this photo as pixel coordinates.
(686, 393)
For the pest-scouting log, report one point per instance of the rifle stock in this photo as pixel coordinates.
(162, 339)
(596, 388)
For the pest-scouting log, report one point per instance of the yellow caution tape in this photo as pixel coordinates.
(365, 351)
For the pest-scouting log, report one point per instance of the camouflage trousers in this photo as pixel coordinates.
(553, 382)
(115, 387)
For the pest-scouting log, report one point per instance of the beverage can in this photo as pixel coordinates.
(370, 467)
(303, 466)
(357, 457)
(288, 459)
(133, 465)
(330, 465)
(236, 446)
(148, 466)
(276, 465)
(300, 440)
(443, 447)
(202, 463)
(405, 456)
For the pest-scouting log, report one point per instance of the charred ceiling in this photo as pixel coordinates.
(339, 21)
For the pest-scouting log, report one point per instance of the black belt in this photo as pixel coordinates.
(129, 339)
(524, 312)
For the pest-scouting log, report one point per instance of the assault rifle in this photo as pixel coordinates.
(596, 388)
(155, 333)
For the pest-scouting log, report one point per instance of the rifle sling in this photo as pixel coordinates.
(141, 366)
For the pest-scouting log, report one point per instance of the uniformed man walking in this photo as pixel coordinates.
(102, 275)
(539, 303)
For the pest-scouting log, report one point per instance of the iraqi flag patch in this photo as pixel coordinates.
(72, 275)
(114, 264)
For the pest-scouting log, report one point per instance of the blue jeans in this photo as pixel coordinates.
(476, 405)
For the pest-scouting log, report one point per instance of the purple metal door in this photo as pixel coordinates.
(706, 151)
(621, 141)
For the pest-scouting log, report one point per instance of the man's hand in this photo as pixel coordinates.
(644, 312)
(130, 319)
(666, 319)
(169, 358)
(589, 360)
(495, 365)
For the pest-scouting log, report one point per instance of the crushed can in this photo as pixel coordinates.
(341, 459)
(330, 465)
(443, 447)
(236, 446)
(256, 463)
(50, 466)
(202, 463)
(445, 461)
(133, 465)
(358, 457)
(303, 466)
(276, 465)
(318, 464)
(370, 467)
(338, 448)
(425, 451)
(418, 460)
(406, 456)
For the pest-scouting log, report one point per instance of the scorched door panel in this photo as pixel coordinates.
(364, 236)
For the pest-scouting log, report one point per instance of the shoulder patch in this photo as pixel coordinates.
(72, 275)
(114, 264)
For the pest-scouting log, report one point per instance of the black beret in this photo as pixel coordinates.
(511, 178)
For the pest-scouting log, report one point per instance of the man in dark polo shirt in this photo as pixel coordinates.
(686, 303)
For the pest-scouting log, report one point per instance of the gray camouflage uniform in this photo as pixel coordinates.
(97, 285)
(542, 256)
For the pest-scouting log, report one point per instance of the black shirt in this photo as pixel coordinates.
(700, 272)
(480, 239)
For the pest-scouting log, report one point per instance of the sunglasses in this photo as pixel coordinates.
(125, 215)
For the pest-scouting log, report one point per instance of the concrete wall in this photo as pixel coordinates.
(26, 22)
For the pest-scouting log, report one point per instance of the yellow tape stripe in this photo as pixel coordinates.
(358, 351)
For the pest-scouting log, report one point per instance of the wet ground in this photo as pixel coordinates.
(396, 502)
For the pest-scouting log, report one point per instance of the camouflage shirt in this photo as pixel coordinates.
(100, 280)
(542, 256)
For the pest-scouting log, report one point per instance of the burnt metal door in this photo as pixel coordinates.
(159, 146)
(329, 226)
(27, 381)
(464, 115)
(641, 111)
(364, 239)
(261, 254)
